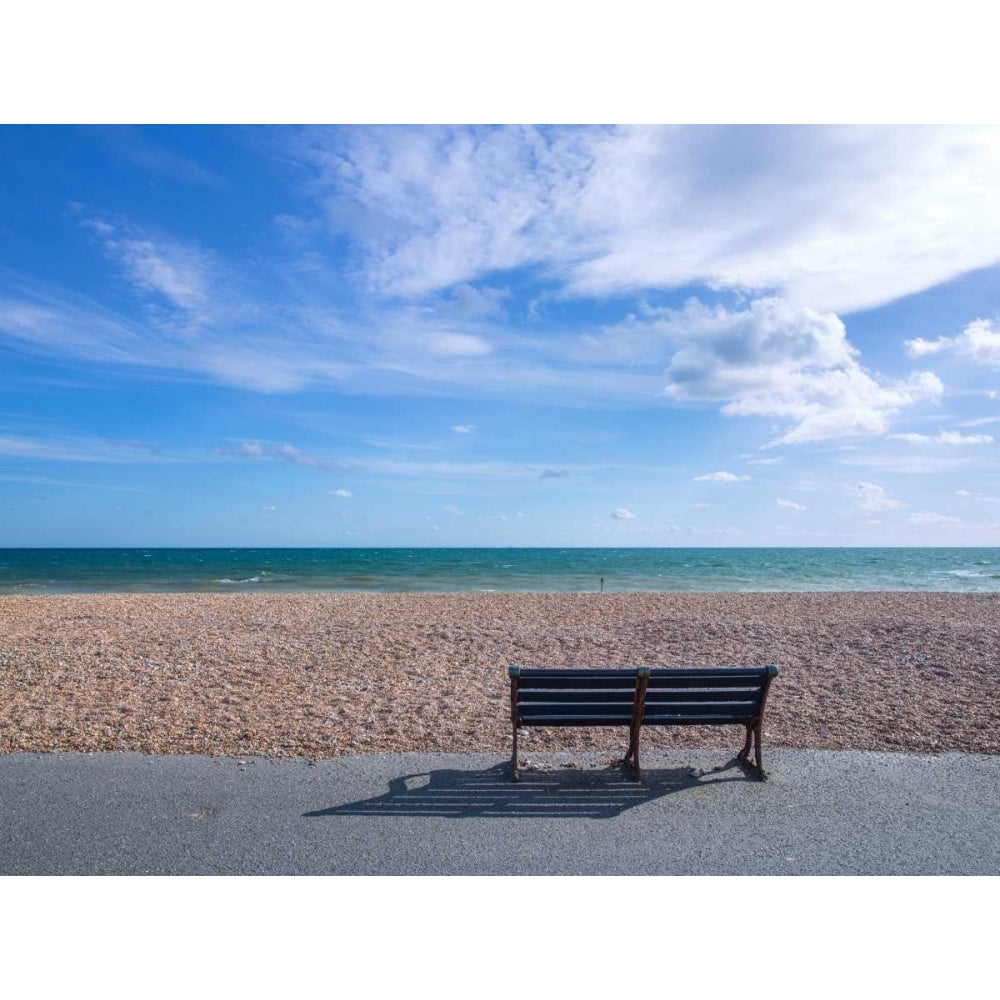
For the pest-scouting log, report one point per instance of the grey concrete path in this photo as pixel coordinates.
(821, 812)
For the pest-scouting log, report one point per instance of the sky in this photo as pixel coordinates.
(413, 336)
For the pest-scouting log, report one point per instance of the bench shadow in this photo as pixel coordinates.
(563, 792)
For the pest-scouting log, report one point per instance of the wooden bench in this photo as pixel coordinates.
(643, 696)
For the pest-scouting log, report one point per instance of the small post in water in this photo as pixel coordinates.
(602, 584)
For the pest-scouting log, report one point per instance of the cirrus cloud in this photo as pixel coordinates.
(831, 217)
(944, 437)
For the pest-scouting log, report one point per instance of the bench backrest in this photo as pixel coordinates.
(706, 695)
(574, 697)
(685, 696)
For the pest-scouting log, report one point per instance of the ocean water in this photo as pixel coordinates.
(41, 571)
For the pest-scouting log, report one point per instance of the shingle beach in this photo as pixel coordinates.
(322, 675)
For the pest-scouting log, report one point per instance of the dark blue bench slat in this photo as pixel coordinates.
(620, 711)
(709, 694)
(668, 683)
(544, 697)
(580, 683)
(696, 720)
(579, 672)
(575, 720)
(744, 708)
(758, 672)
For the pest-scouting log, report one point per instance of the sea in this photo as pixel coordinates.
(469, 570)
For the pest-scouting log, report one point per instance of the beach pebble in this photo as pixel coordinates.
(321, 675)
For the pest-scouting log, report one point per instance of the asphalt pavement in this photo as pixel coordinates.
(696, 812)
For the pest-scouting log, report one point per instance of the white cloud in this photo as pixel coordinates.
(82, 449)
(180, 274)
(458, 345)
(170, 270)
(451, 508)
(913, 464)
(978, 497)
(464, 428)
(343, 494)
(790, 505)
(978, 342)
(928, 518)
(871, 496)
(272, 451)
(836, 218)
(772, 359)
(268, 506)
(285, 453)
(720, 477)
(621, 514)
(979, 422)
(944, 437)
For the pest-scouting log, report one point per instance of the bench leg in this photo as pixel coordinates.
(757, 752)
(745, 752)
(631, 745)
(753, 737)
(635, 756)
(514, 776)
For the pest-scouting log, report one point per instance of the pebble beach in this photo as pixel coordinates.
(323, 675)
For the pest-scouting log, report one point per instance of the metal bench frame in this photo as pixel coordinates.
(637, 696)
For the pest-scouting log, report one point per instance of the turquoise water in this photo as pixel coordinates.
(40, 571)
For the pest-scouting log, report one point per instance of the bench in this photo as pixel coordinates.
(643, 696)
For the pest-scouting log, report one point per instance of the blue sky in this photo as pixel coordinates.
(499, 336)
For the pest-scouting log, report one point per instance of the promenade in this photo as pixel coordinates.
(821, 812)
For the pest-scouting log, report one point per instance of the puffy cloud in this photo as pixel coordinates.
(838, 218)
(450, 508)
(774, 359)
(944, 437)
(979, 342)
(464, 428)
(871, 496)
(720, 477)
(268, 506)
(790, 505)
(621, 514)
(343, 494)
